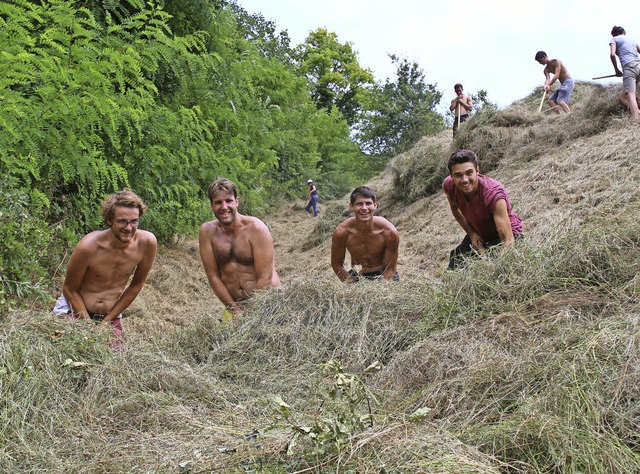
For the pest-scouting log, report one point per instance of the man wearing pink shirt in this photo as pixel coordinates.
(481, 207)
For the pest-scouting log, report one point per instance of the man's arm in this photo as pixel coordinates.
(140, 274)
(76, 268)
(503, 224)
(614, 61)
(476, 240)
(205, 237)
(467, 103)
(263, 255)
(392, 242)
(454, 104)
(338, 253)
(547, 77)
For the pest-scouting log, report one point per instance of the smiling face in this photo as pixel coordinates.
(465, 178)
(225, 207)
(363, 208)
(124, 223)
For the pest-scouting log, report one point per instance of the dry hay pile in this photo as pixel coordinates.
(527, 361)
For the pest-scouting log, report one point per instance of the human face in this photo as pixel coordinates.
(458, 90)
(465, 178)
(364, 208)
(225, 207)
(543, 60)
(125, 222)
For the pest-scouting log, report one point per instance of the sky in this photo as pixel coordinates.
(486, 45)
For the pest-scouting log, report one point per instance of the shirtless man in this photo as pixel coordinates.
(95, 285)
(460, 106)
(372, 241)
(236, 251)
(560, 98)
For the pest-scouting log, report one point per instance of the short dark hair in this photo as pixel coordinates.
(458, 85)
(617, 31)
(123, 198)
(222, 184)
(364, 191)
(462, 156)
(540, 55)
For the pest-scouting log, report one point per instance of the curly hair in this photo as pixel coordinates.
(123, 198)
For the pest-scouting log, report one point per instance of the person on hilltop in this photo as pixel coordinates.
(461, 105)
(312, 196)
(560, 98)
(95, 285)
(628, 51)
(372, 241)
(236, 251)
(481, 207)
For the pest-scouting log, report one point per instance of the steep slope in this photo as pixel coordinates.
(526, 361)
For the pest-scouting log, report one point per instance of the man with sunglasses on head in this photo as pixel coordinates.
(95, 286)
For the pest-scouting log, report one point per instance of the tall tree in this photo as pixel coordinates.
(335, 77)
(397, 114)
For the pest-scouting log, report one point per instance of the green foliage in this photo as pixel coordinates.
(22, 229)
(162, 98)
(334, 74)
(397, 114)
(344, 410)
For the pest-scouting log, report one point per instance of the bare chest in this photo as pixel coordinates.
(232, 249)
(364, 247)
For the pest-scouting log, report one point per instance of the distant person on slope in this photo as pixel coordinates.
(372, 241)
(95, 286)
(312, 196)
(555, 70)
(461, 105)
(236, 250)
(628, 51)
(480, 205)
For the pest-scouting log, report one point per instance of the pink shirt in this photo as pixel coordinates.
(479, 211)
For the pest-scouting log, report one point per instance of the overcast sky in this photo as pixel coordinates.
(487, 44)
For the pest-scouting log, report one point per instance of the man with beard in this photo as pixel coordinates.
(372, 241)
(95, 286)
(236, 250)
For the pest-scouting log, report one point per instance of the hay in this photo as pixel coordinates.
(526, 361)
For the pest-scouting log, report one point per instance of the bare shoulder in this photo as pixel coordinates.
(344, 227)
(208, 227)
(92, 241)
(146, 238)
(254, 224)
(384, 224)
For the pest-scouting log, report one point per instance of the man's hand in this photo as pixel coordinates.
(477, 242)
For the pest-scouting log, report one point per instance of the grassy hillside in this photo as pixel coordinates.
(525, 362)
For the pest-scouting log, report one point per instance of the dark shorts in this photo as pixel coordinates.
(377, 275)
(463, 118)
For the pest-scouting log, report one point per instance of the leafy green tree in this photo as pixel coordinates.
(397, 114)
(334, 74)
(481, 100)
(264, 35)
